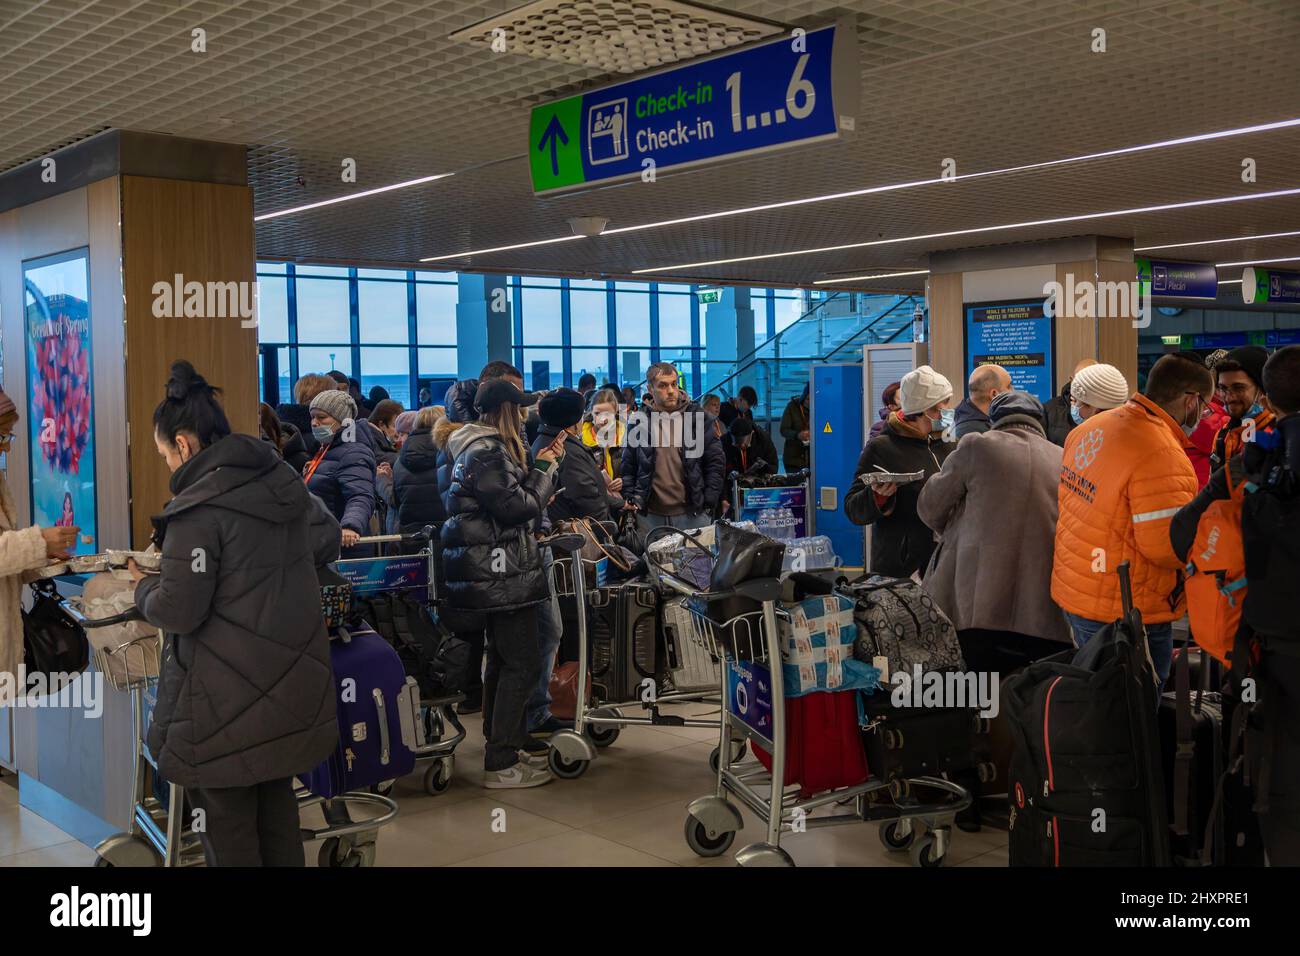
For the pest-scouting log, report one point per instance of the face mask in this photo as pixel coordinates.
(321, 433)
(947, 417)
(1255, 409)
(1075, 415)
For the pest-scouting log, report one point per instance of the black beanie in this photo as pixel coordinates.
(561, 408)
(1251, 358)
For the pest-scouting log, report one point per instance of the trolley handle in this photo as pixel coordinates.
(75, 613)
(568, 543)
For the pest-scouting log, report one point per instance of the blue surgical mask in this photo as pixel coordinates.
(947, 417)
(321, 433)
(1255, 410)
(1074, 414)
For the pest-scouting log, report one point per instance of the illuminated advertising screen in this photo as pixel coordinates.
(60, 407)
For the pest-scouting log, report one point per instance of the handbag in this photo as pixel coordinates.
(53, 643)
(598, 545)
(742, 555)
(627, 534)
(563, 688)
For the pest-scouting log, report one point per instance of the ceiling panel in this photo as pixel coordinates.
(989, 83)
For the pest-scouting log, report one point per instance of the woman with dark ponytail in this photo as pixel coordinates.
(246, 693)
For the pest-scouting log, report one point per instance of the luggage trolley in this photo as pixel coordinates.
(748, 641)
(413, 572)
(599, 722)
(157, 835)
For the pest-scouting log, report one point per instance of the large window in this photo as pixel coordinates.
(404, 328)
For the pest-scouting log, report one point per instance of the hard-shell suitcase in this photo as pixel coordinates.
(1086, 787)
(689, 664)
(823, 746)
(623, 638)
(378, 715)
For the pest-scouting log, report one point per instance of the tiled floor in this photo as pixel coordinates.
(627, 810)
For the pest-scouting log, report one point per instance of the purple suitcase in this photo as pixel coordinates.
(371, 747)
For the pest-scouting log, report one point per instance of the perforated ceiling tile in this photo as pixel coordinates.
(989, 83)
(614, 36)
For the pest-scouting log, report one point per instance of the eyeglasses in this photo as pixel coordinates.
(1204, 409)
(1238, 390)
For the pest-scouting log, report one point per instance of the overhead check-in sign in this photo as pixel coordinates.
(794, 90)
(1186, 280)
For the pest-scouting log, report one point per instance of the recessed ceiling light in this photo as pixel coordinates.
(1215, 242)
(912, 184)
(884, 275)
(1257, 262)
(1164, 207)
(351, 196)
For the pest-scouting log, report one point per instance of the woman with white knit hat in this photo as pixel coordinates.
(1097, 388)
(917, 437)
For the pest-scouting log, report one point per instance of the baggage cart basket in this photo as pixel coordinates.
(749, 641)
(599, 722)
(396, 573)
(158, 835)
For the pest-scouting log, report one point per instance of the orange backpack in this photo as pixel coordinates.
(1216, 576)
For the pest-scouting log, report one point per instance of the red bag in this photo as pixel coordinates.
(823, 742)
(564, 690)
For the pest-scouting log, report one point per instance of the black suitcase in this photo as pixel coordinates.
(1085, 786)
(623, 638)
(1208, 826)
(908, 742)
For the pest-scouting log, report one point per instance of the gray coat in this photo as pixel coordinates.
(246, 693)
(994, 506)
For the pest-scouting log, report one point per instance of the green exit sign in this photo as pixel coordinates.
(709, 295)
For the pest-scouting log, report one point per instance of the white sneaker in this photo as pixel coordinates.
(519, 776)
(539, 761)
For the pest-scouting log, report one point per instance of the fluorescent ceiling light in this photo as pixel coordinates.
(1257, 262)
(1229, 282)
(351, 196)
(884, 275)
(1215, 242)
(892, 187)
(979, 229)
(517, 245)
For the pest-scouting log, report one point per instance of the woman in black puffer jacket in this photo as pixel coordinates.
(492, 567)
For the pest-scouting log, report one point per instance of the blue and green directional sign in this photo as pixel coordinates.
(1269, 285)
(1186, 280)
(797, 89)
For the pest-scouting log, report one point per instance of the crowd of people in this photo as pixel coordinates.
(1011, 513)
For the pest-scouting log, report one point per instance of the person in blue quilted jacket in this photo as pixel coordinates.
(342, 472)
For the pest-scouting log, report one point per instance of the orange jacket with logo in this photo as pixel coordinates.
(1124, 475)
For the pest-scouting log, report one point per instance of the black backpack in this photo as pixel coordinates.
(1086, 786)
(437, 659)
(1270, 528)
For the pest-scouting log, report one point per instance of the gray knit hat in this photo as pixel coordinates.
(337, 405)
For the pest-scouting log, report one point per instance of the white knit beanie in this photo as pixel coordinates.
(1101, 386)
(923, 388)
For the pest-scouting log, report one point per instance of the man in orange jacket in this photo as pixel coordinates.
(1124, 475)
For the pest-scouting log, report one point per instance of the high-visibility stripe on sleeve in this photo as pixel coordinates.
(1155, 515)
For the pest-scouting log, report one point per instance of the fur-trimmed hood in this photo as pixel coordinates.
(443, 429)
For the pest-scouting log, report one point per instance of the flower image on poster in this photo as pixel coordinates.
(61, 440)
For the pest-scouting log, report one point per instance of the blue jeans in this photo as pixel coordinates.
(550, 630)
(1160, 640)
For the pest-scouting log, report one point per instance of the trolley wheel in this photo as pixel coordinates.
(738, 748)
(603, 735)
(335, 854)
(698, 839)
(102, 864)
(383, 788)
(892, 839)
(565, 769)
(437, 778)
(923, 853)
(987, 772)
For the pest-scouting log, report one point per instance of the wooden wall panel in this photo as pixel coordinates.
(1117, 338)
(204, 232)
(947, 324)
(1076, 338)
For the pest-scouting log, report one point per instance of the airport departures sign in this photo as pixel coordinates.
(797, 89)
